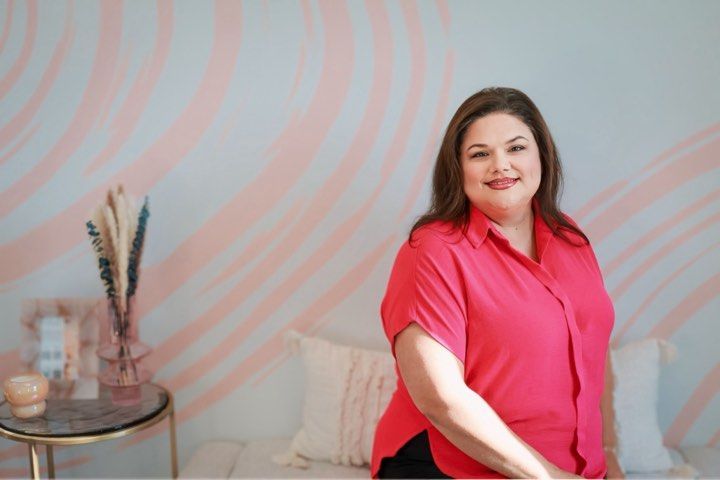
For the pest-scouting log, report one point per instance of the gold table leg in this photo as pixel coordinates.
(173, 446)
(50, 461)
(34, 462)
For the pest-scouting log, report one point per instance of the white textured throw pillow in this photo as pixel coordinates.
(636, 367)
(346, 391)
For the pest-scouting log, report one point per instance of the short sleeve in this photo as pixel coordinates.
(426, 287)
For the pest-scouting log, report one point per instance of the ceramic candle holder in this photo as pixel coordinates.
(26, 394)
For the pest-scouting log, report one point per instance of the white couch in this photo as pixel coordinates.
(335, 444)
(253, 459)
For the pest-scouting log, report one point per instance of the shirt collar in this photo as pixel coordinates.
(480, 225)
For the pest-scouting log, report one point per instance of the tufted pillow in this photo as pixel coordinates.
(346, 391)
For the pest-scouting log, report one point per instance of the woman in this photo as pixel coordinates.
(497, 315)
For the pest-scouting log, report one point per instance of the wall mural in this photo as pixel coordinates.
(286, 148)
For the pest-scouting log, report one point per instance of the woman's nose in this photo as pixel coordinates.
(500, 162)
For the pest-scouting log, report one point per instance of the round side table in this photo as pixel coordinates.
(75, 422)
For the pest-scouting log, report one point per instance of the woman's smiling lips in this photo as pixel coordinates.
(502, 183)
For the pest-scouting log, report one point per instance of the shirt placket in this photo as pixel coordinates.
(575, 339)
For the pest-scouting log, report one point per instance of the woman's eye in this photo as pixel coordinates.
(512, 149)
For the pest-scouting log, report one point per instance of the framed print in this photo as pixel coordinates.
(59, 339)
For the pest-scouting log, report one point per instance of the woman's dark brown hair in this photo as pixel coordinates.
(449, 202)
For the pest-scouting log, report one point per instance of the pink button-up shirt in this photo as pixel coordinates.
(533, 337)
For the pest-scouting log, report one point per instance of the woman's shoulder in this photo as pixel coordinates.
(433, 248)
(438, 234)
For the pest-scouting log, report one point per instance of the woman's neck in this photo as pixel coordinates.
(520, 232)
(519, 225)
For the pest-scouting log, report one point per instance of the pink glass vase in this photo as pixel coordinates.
(121, 332)
(122, 350)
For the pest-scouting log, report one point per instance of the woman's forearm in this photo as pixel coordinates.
(472, 425)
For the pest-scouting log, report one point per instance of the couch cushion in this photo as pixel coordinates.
(255, 461)
(213, 459)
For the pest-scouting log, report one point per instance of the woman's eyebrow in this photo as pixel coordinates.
(483, 145)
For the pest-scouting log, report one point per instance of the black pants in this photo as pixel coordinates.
(413, 460)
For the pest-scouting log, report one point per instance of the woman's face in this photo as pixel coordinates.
(500, 147)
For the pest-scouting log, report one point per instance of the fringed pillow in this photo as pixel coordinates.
(346, 391)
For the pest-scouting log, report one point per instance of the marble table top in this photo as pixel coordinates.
(75, 417)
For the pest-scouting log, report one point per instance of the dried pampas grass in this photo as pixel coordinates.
(117, 233)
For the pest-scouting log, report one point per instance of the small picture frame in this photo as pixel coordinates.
(59, 339)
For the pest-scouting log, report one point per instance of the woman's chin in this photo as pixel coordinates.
(505, 205)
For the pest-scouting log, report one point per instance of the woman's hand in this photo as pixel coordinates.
(564, 474)
(560, 473)
(613, 466)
